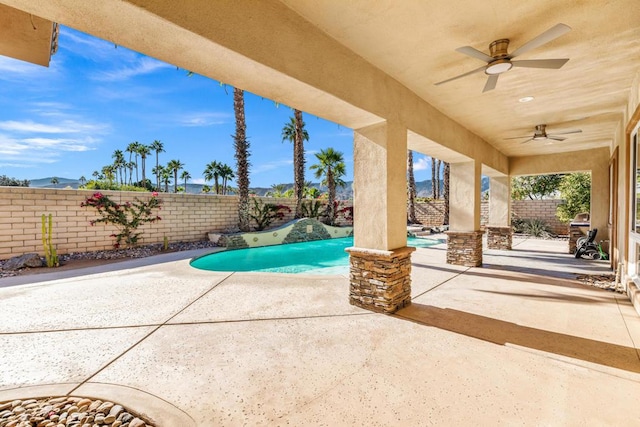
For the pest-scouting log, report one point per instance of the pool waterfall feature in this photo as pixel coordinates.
(296, 231)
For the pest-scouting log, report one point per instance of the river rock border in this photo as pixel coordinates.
(68, 412)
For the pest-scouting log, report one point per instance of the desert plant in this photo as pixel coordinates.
(126, 217)
(264, 213)
(50, 254)
(312, 208)
(535, 227)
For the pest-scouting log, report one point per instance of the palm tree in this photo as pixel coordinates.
(438, 178)
(330, 166)
(82, 180)
(95, 174)
(175, 166)
(277, 190)
(143, 151)
(119, 163)
(241, 145)
(165, 177)
(226, 173)
(54, 181)
(158, 147)
(132, 148)
(212, 172)
(108, 172)
(411, 188)
(184, 176)
(295, 133)
(445, 191)
(434, 192)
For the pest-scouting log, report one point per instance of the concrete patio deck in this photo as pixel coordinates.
(517, 342)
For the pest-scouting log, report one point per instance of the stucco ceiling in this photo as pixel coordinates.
(414, 41)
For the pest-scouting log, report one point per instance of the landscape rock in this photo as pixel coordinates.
(23, 261)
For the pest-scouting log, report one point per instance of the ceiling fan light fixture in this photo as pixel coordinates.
(498, 66)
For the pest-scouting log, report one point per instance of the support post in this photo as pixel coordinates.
(380, 273)
(499, 233)
(464, 241)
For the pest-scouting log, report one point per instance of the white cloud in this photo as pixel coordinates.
(421, 164)
(269, 166)
(203, 119)
(141, 66)
(198, 181)
(65, 126)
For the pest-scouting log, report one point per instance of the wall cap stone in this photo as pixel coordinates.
(379, 252)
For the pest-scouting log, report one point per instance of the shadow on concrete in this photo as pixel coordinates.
(501, 332)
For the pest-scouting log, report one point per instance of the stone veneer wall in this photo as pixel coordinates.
(380, 281)
(464, 248)
(185, 217)
(431, 213)
(499, 238)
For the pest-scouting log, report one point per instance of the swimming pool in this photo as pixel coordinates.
(317, 257)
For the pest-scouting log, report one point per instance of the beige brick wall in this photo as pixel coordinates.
(431, 213)
(185, 217)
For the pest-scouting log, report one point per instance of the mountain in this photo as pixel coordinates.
(423, 188)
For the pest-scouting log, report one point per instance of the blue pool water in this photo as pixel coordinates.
(317, 257)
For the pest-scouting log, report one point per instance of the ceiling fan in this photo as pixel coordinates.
(500, 60)
(540, 134)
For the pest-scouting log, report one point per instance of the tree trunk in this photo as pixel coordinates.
(434, 193)
(241, 146)
(446, 175)
(332, 196)
(439, 162)
(157, 171)
(411, 189)
(298, 161)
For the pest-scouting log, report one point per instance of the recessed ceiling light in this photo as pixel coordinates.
(526, 99)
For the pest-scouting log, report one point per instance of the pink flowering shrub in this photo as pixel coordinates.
(126, 217)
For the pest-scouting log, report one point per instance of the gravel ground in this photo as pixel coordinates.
(115, 254)
(67, 412)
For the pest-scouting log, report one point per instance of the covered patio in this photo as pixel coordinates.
(518, 341)
(374, 68)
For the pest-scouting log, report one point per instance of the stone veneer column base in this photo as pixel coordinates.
(499, 237)
(464, 248)
(380, 280)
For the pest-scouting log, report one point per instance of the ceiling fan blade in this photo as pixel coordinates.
(461, 75)
(568, 132)
(491, 83)
(556, 138)
(551, 34)
(475, 53)
(530, 139)
(519, 137)
(553, 64)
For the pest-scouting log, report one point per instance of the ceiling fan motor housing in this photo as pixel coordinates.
(499, 49)
(502, 62)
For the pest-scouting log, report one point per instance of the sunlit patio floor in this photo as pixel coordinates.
(516, 342)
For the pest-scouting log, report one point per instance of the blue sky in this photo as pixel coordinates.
(68, 119)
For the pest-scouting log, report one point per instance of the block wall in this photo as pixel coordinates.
(431, 213)
(185, 217)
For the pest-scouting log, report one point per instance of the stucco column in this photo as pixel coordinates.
(380, 272)
(464, 243)
(499, 225)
